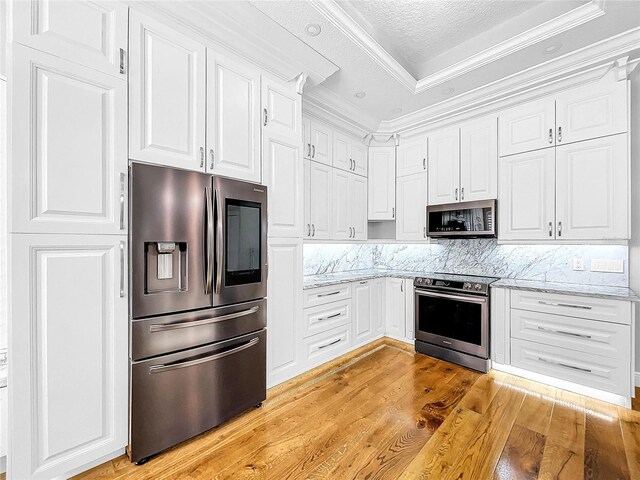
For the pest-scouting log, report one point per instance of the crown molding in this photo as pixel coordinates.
(585, 65)
(351, 29)
(240, 29)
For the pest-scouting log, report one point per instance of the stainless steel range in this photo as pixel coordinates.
(452, 318)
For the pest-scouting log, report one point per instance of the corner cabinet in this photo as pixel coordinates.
(382, 185)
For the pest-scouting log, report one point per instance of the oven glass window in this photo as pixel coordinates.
(450, 318)
(243, 233)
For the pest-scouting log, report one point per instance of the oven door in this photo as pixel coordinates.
(241, 241)
(457, 322)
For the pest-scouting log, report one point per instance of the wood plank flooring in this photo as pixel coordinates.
(383, 412)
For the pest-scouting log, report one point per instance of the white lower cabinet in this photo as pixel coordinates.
(4, 417)
(395, 323)
(325, 346)
(284, 309)
(382, 183)
(409, 310)
(364, 328)
(378, 302)
(69, 352)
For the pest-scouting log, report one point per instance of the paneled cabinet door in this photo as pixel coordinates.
(320, 192)
(233, 119)
(444, 166)
(358, 206)
(382, 183)
(361, 299)
(284, 309)
(411, 223)
(69, 390)
(591, 111)
(527, 127)
(283, 167)
(412, 157)
(395, 308)
(321, 143)
(69, 147)
(592, 189)
(166, 95)
(341, 210)
(306, 137)
(307, 199)
(359, 157)
(378, 291)
(527, 196)
(342, 152)
(409, 310)
(479, 160)
(92, 34)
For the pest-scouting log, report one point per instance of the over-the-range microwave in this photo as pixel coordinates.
(462, 220)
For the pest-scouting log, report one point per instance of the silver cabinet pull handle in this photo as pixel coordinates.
(313, 229)
(201, 157)
(122, 182)
(462, 193)
(309, 150)
(364, 282)
(213, 157)
(322, 319)
(563, 332)
(121, 268)
(313, 151)
(424, 163)
(329, 344)
(191, 363)
(122, 61)
(402, 287)
(554, 304)
(265, 117)
(559, 229)
(456, 194)
(559, 134)
(328, 294)
(393, 212)
(424, 232)
(209, 238)
(551, 135)
(566, 365)
(308, 229)
(219, 241)
(551, 229)
(198, 323)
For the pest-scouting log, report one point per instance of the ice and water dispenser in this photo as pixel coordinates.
(166, 267)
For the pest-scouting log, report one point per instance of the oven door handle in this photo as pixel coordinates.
(191, 363)
(449, 296)
(219, 241)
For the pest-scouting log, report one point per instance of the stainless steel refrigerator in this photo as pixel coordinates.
(198, 306)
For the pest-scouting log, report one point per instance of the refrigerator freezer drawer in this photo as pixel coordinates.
(170, 333)
(178, 396)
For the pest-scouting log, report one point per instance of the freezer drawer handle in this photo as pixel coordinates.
(206, 321)
(563, 332)
(191, 363)
(553, 304)
(566, 365)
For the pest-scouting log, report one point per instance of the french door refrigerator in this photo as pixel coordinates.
(198, 306)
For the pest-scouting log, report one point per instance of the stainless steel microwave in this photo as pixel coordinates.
(463, 219)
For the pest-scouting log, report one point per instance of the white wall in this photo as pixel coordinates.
(634, 245)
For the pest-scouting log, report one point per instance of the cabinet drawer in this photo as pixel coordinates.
(325, 317)
(589, 336)
(617, 311)
(325, 346)
(328, 294)
(609, 374)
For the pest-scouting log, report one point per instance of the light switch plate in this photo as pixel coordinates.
(607, 265)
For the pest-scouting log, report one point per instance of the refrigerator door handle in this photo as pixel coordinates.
(219, 242)
(209, 236)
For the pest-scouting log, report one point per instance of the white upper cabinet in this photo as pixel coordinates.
(591, 111)
(282, 161)
(321, 142)
(69, 147)
(320, 193)
(527, 196)
(359, 157)
(166, 95)
(342, 152)
(382, 183)
(592, 189)
(411, 198)
(306, 137)
(479, 160)
(412, 157)
(444, 166)
(527, 127)
(358, 206)
(92, 34)
(233, 119)
(341, 214)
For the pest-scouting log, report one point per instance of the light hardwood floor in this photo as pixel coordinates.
(383, 412)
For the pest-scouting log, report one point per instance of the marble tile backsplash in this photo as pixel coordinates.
(551, 263)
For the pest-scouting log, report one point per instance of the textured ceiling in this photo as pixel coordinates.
(416, 31)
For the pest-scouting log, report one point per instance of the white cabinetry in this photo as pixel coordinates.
(378, 302)
(411, 198)
(444, 166)
(69, 352)
(359, 157)
(395, 308)
(409, 310)
(412, 157)
(362, 300)
(93, 34)
(318, 201)
(382, 185)
(166, 95)
(69, 146)
(321, 142)
(527, 127)
(349, 154)
(284, 305)
(233, 118)
(479, 160)
(349, 206)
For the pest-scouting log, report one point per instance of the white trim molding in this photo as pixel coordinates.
(351, 29)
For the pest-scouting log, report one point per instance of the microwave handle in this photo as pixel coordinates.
(219, 241)
(209, 245)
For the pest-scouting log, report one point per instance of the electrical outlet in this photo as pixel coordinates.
(607, 265)
(578, 263)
